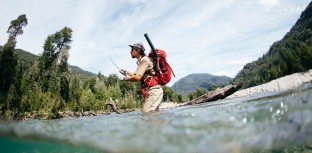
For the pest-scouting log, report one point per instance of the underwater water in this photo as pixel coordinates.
(266, 122)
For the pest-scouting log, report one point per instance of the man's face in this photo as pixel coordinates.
(134, 51)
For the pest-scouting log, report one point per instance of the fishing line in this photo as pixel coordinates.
(113, 62)
(125, 72)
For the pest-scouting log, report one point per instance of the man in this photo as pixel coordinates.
(152, 93)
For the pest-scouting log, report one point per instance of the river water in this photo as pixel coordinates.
(266, 122)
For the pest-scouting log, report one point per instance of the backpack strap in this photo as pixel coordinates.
(171, 70)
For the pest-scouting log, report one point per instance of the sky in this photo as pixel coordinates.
(199, 36)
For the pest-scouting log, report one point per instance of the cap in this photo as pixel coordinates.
(138, 45)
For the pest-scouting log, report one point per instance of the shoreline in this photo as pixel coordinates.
(281, 84)
(41, 115)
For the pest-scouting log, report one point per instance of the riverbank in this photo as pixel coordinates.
(281, 84)
(42, 115)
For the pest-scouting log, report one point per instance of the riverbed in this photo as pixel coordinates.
(269, 121)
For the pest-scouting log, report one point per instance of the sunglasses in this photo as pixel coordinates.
(134, 48)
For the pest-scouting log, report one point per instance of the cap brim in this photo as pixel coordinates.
(131, 46)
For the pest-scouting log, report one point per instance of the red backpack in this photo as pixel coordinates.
(164, 71)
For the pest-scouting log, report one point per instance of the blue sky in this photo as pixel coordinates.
(200, 36)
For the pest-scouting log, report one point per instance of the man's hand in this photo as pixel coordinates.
(123, 72)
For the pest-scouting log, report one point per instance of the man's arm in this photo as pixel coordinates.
(131, 76)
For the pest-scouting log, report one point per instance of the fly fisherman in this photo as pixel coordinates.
(152, 95)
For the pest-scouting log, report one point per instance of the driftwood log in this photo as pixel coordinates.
(112, 107)
(214, 95)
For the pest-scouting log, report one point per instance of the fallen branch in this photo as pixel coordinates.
(214, 95)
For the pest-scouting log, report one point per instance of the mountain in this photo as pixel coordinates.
(200, 80)
(28, 59)
(290, 55)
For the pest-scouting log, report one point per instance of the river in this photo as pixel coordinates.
(266, 122)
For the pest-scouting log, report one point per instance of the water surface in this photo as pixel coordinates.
(272, 121)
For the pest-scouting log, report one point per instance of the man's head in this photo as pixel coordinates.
(138, 47)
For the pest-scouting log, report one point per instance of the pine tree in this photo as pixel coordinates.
(75, 93)
(8, 64)
(53, 65)
(8, 58)
(63, 71)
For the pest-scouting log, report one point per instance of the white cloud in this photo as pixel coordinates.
(268, 3)
(216, 37)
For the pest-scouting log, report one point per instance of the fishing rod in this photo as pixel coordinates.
(124, 72)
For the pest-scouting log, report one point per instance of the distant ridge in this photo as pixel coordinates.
(199, 80)
(29, 58)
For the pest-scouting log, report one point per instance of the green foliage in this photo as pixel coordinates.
(53, 62)
(64, 87)
(16, 26)
(8, 64)
(74, 93)
(112, 79)
(129, 101)
(170, 95)
(13, 99)
(114, 91)
(28, 59)
(53, 46)
(2, 101)
(82, 74)
(25, 58)
(290, 55)
(167, 93)
(215, 86)
(8, 58)
(197, 93)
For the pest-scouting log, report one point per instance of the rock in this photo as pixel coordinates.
(168, 105)
(112, 105)
(77, 114)
(88, 113)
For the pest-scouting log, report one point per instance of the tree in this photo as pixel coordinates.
(167, 93)
(53, 62)
(112, 80)
(8, 63)
(16, 26)
(8, 58)
(199, 92)
(63, 71)
(13, 99)
(75, 93)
